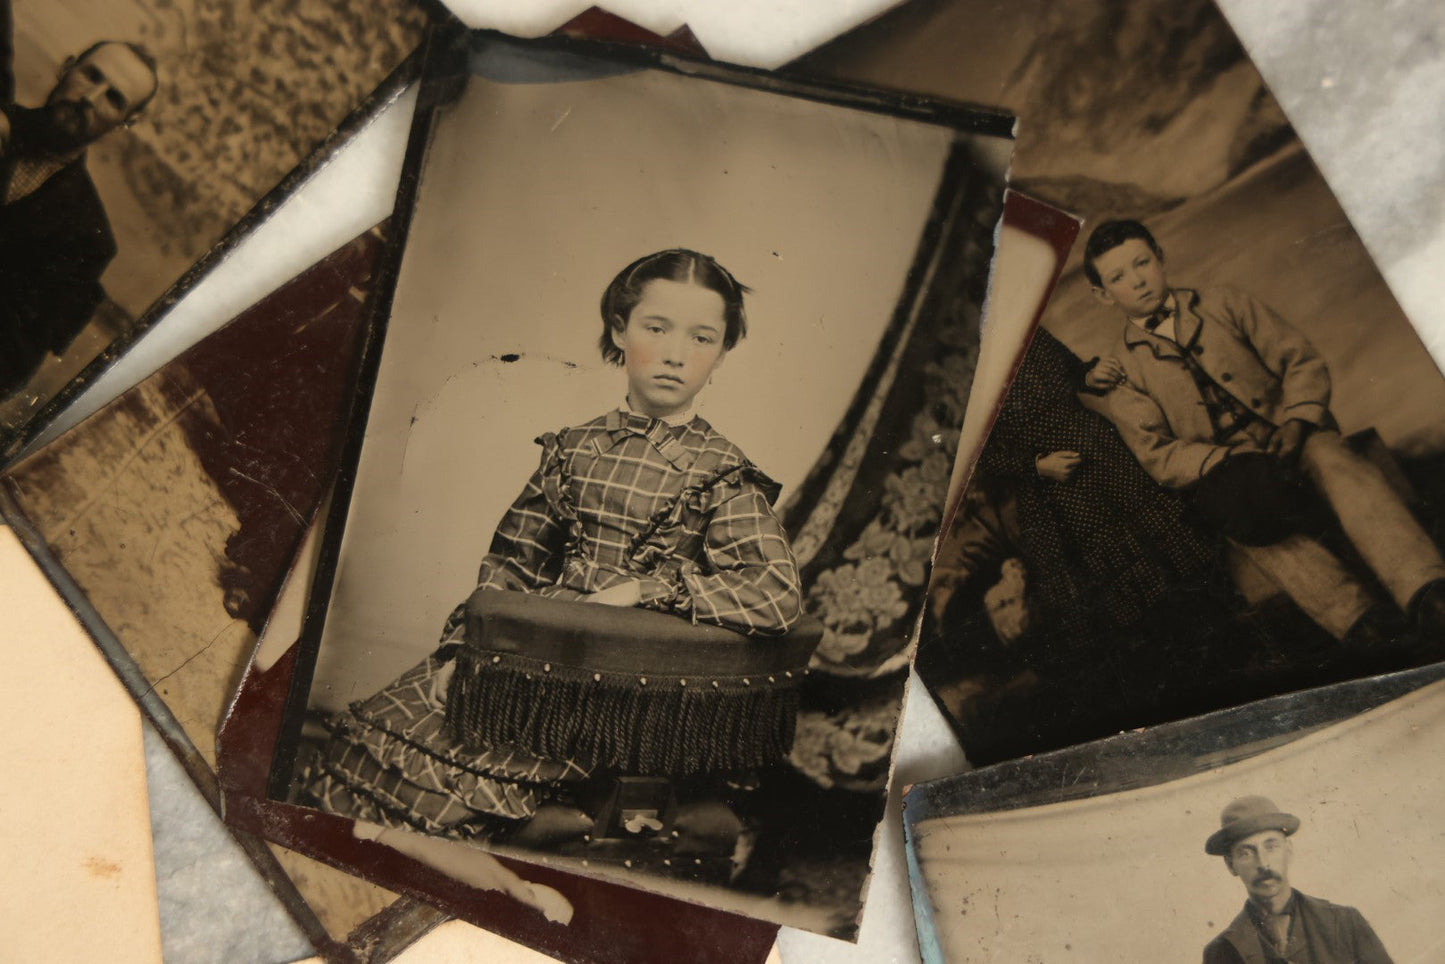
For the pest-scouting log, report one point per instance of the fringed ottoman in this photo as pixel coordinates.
(624, 689)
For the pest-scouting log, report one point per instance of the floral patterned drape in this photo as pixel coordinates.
(865, 520)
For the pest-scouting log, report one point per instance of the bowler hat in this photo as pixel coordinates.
(1246, 816)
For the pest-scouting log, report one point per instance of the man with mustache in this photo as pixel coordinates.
(1278, 923)
(55, 239)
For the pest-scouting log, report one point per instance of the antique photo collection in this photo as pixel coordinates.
(614, 493)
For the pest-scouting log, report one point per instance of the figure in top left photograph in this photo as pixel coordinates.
(53, 226)
(139, 137)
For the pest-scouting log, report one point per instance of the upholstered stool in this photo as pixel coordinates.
(624, 689)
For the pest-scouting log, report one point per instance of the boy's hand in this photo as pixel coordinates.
(1104, 374)
(1058, 466)
(1287, 440)
(622, 594)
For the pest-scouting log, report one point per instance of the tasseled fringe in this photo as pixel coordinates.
(644, 725)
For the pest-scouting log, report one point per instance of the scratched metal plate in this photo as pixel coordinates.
(1031, 859)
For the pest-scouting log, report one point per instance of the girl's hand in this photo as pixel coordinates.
(1058, 466)
(622, 594)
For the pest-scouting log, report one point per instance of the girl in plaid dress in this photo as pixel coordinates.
(646, 505)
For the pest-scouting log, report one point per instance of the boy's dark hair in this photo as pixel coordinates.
(1108, 236)
(674, 264)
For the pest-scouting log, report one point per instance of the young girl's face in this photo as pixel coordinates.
(671, 345)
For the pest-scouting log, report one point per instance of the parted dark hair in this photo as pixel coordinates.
(674, 264)
(1108, 236)
(142, 54)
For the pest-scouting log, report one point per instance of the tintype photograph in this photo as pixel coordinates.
(1299, 828)
(625, 572)
(1217, 474)
(1184, 519)
(135, 134)
(170, 519)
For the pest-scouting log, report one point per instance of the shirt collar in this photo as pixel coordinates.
(1259, 913)
(1167, 311)
(623, 421)
(679, 418)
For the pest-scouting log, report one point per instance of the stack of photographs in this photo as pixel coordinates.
(555, 553)
(198, 486)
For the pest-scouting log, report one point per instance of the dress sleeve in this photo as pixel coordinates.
(1009, 452)
(747, 579)
(1037, 416)
(527, 549)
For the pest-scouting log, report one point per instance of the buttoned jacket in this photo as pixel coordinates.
(1324, 933)
(1246, 348)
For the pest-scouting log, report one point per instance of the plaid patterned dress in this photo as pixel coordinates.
(678, 508)
(624, 497)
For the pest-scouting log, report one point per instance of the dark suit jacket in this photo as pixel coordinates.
(54, 245)
(1324, 933)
